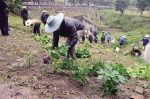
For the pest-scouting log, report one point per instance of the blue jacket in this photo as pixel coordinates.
(109, 37)
(145, 41)
(121, 40)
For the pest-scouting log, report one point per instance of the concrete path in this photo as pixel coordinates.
(146, 53)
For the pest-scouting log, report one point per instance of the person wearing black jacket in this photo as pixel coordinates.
(24, 14)
(90, 37)
(44, 16)
(71, 28)
(95, 36)
(3, 18)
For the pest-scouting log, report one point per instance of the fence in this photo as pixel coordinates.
(51, 7)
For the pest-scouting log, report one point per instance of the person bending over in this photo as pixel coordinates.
(68, 27)
(34, 24)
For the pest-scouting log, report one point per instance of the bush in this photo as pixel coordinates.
(82, 53)
(140, 71)
(14, 6)
(113, 74)
(96, 66)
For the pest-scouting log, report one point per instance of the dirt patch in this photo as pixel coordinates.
(15, 91)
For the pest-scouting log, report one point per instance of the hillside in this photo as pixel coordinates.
(41, 81)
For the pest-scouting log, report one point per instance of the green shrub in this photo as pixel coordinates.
(82, 53)
(14, 6)
(96, 66)
(86, 43)
(112, 75)
(80, 73)
(140, 71)
(69, 64)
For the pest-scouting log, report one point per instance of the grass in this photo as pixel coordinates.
(137, 13)
(15, 20)
(133, 35)
(135, 27)
(2, 76)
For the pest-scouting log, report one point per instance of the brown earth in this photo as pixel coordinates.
(35, 83)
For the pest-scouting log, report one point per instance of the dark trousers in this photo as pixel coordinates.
(90, 39)
(83, 38)
(71, 52)
(24, 20)
(95, 41)
(95, 38)
(36, 29)
(102, 40)
(4, 27)
(121, 43)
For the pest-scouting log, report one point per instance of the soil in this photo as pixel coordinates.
(32, 82)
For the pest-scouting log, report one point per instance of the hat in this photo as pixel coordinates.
(53, 22)
(24, 7)
(28, 22)
(123, 36)
(147, 35)
(44, 11)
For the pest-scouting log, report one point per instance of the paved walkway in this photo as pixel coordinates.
(146, 53)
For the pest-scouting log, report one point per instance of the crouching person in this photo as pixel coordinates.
(34, 24)
(67, 27)
(136, 52)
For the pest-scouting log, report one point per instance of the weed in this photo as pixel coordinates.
(2, 76)
(12, 66)
(83, 53)
(86, 43)
(58, 51)
(31, 57)
(35, 77)
(46, 73)
(139, 71)
(80, 74)
(148, 92)
(96, 66)
(112, 75)
(56, 65)
(68, 63)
